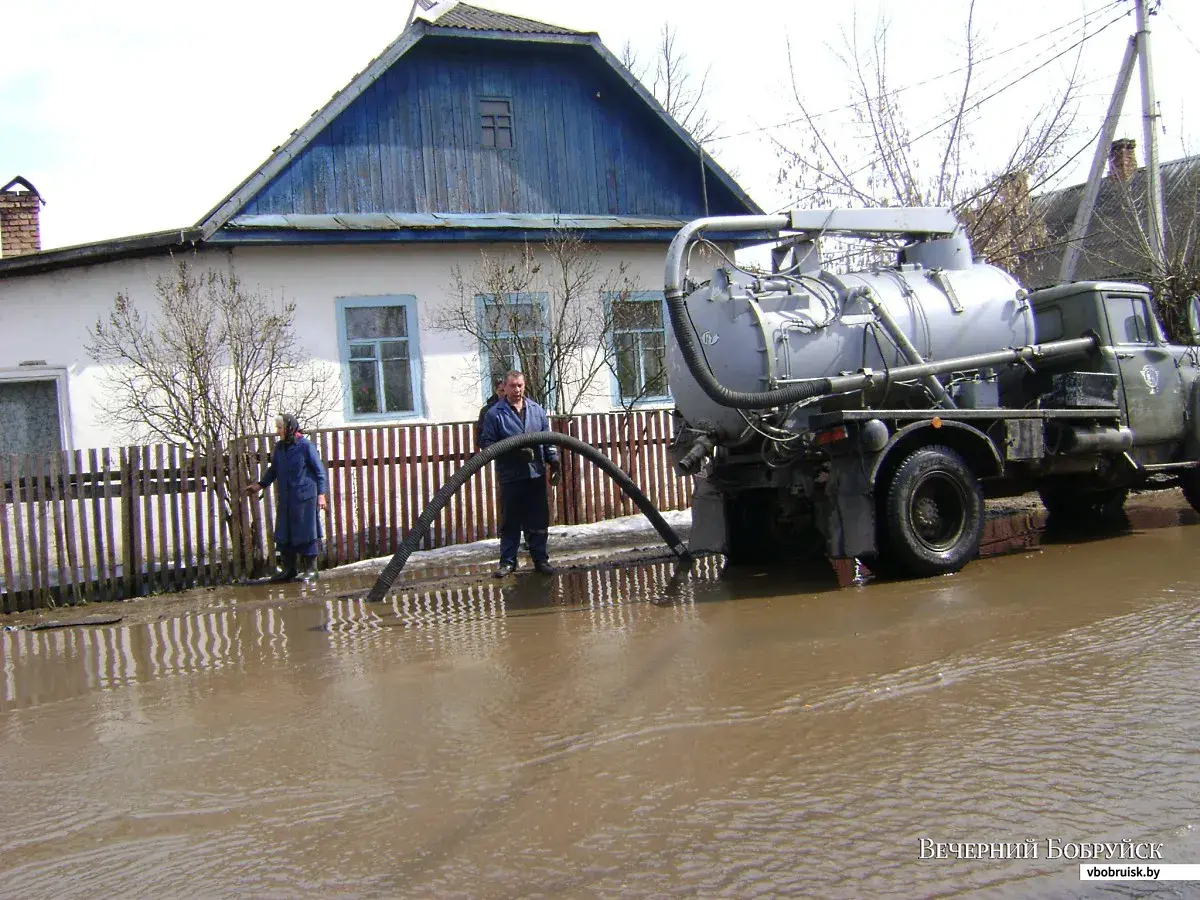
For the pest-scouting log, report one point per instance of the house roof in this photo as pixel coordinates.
(445, 19)
(473, 18)
(439, 21)
(1112, 247)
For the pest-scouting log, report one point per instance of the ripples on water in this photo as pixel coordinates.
(616, 733)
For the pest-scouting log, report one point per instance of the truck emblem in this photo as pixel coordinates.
(1150, 376)
(708, 338)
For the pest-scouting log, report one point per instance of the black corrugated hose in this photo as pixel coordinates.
(454, 483)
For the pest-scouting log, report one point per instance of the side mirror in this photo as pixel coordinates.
(1194, 318)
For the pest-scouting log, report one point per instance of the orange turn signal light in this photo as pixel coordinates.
(936, 422)
(832, 436)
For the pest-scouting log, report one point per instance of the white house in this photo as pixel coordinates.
(474, 132)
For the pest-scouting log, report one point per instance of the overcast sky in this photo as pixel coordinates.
(137, 115)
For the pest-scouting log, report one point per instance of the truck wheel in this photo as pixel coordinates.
(1068, 504)
(1190, 482)
(933, 513)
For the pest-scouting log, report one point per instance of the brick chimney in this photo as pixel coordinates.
(1122, 161)
(20, 206)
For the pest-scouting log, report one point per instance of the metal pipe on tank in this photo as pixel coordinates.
(1073, 347)
(905, 346)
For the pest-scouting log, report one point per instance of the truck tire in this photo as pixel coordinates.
(1189, 481)
(932, 513)
(1073, 504)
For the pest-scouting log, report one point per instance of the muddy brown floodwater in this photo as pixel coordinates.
(614, 733)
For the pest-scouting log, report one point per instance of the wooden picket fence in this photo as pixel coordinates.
(113, 524)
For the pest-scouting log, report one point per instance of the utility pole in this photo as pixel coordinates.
(1083, 215)
(1150, 116)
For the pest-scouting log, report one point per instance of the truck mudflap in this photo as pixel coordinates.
(709, 533)
(849, 514)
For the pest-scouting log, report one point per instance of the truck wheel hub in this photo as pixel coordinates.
(938, 512)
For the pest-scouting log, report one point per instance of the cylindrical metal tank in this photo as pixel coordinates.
(760, 336)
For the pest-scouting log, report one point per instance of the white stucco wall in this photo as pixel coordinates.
(45, 317)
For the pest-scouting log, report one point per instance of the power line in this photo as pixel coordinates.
(930, 80)
(977, 103)
(1179, 28)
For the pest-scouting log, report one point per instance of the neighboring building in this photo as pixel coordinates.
(472, 132)
(1115, 246)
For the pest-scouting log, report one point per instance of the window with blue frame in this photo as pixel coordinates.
(380, 358)
(639, 343)
(515, 334)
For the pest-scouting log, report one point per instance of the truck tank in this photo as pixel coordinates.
(759, 333)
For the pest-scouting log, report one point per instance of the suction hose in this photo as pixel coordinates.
(681, 322)
(454, 483)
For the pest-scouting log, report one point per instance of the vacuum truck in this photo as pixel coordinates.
(869, 414)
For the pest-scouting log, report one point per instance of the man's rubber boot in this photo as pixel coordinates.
(309, 573)
(285, 571)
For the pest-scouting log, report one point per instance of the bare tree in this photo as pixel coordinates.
(543, 313)
(1119, 245)
(884, 163)
(213, 361)
(674, 85)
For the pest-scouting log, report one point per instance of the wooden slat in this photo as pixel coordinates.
(254, 546)
(172, 487)
(607, 441)
(165, 576)
(403, 482)
(41, 475)
(329, 495)
(423, 469)
(393, 507)
(183, 464)
(348, 497)
(110, 529)
(224, 562)
(214, 526)
(89, 589)
(333, 471)
(370, 470)
(150, 524)
(193, 534)
(11, 602)
(58, 560)
(20, 511)
(64, 523)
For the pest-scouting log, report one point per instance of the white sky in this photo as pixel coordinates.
(137, 115)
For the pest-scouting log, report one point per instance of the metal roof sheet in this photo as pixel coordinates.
(1113, 246)
(473, 18)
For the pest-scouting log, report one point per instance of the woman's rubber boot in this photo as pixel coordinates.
(285, 571)
(309, 573)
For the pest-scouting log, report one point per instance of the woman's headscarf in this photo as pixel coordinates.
(291, 427)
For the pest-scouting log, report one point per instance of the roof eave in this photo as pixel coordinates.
(99, 252)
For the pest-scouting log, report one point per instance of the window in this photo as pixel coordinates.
(380, 359)
(639, 344)
(1048, 324)
(1128, 320)
(32, 413)
(495, 119)
(515, 336)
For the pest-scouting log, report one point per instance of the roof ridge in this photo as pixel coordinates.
(470, 17)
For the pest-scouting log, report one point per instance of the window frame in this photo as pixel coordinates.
(1150, 319)
(485, 361)
(512, 118)
(615, 395)
(415, 369)
(61, 376)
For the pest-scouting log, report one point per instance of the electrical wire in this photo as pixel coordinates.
(930, 80)
(977, 103)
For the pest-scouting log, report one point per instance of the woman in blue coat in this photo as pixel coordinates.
(299, 478)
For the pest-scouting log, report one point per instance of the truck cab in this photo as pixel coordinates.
(1154, 378)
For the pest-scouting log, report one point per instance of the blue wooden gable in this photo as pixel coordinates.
(582, 143)
(403, 148)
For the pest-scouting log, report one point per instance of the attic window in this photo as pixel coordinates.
(495, 119)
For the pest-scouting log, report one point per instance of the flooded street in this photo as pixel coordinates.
(609, 733)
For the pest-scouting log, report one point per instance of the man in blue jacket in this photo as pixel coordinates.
(522, 486)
